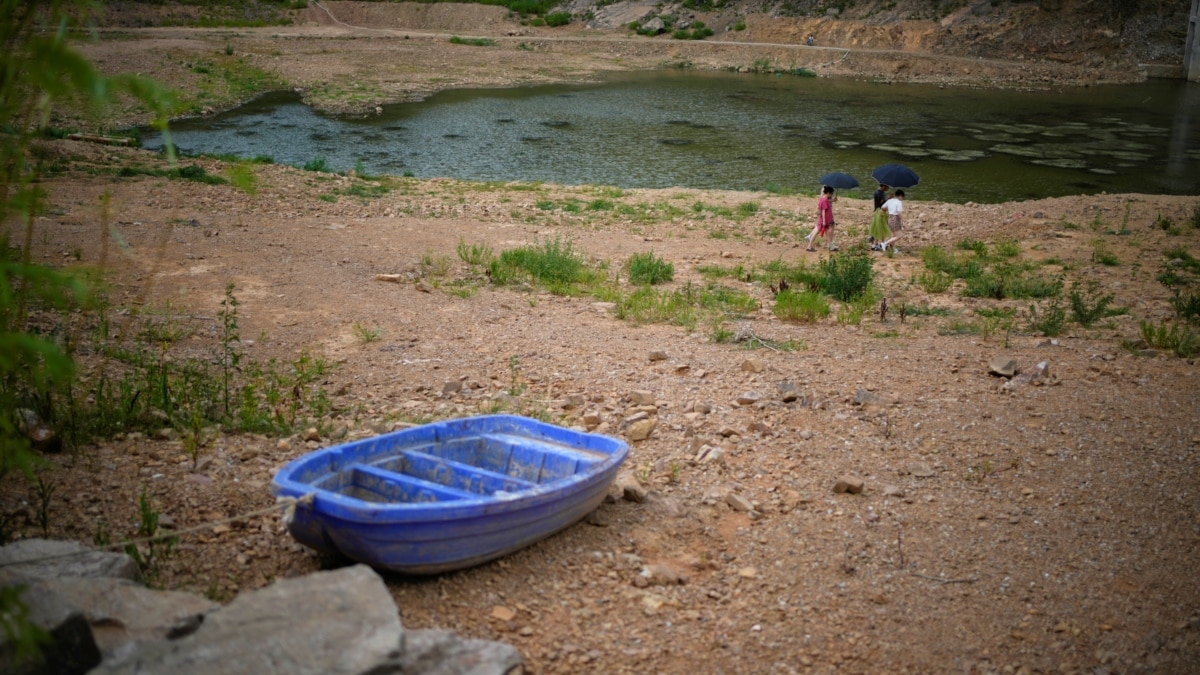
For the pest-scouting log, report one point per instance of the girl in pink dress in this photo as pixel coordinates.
(824, 226)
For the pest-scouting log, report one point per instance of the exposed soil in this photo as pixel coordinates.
(1039, 528)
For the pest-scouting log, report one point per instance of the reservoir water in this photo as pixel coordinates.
(745, 132)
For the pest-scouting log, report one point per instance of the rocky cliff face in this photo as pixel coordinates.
(1090, 32)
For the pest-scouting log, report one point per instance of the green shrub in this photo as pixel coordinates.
(1049, 319)
(1186, 305)
(317, 164)
(649, 269)
(557, 19)
(1089, 305)
(806, 306)
(848, 274)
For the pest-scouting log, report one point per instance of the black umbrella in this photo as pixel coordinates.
(839, 181)
(895, 175)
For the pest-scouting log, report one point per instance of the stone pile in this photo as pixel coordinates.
(101, 619)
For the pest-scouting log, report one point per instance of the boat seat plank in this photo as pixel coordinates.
(457, 475)
(539, 461)
(396, 488)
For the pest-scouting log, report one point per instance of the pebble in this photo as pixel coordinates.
(850, 484)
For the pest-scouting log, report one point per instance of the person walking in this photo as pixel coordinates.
(824, 227)
(895, 211)
(878, 232)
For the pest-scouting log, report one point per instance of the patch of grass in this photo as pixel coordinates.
(365, 334)
(317, 164)
(684, 306)
(959, 327)
(803, 306)
(1176, 338)
(435, 264)
(242, 177)
(192, 172)
(996, 312)
(649, 269)
(1102, 255)
(746, 209)
(553, 263)
(475, 255)
(365, 190)
(927, 310)
(933, 281)
(474, 42)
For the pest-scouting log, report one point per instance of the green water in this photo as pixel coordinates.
(748, 132)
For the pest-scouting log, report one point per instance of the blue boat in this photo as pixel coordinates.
(449, 494)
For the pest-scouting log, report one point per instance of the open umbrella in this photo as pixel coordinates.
(895, 175)
(839, 181)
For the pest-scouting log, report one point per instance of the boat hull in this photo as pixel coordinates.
(450, 494)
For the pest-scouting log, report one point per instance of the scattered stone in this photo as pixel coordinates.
(311, 434)
(573, 402)
(503, 613)
(641, 397)
(424, 286)
(748, 572)
(851, 484)
(869, 399)
(631, 488)
(591, 420)
(710, 454)
(658, 355)
(640, 430)
(727, 431)
(392, 278)
(753, 365)
(893, 491)
(1004, 366)
(788, 392)
(738, 502)
(760, 427)
(748, 398)
(451, 387)
(1036, 375)
(920, 470)
(662, 575)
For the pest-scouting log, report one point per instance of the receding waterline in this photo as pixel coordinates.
(746, 132)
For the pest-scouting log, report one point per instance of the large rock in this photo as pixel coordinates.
(70, 648)
(326, 623)
(442, 652)
(121, 611)
(52, 559)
